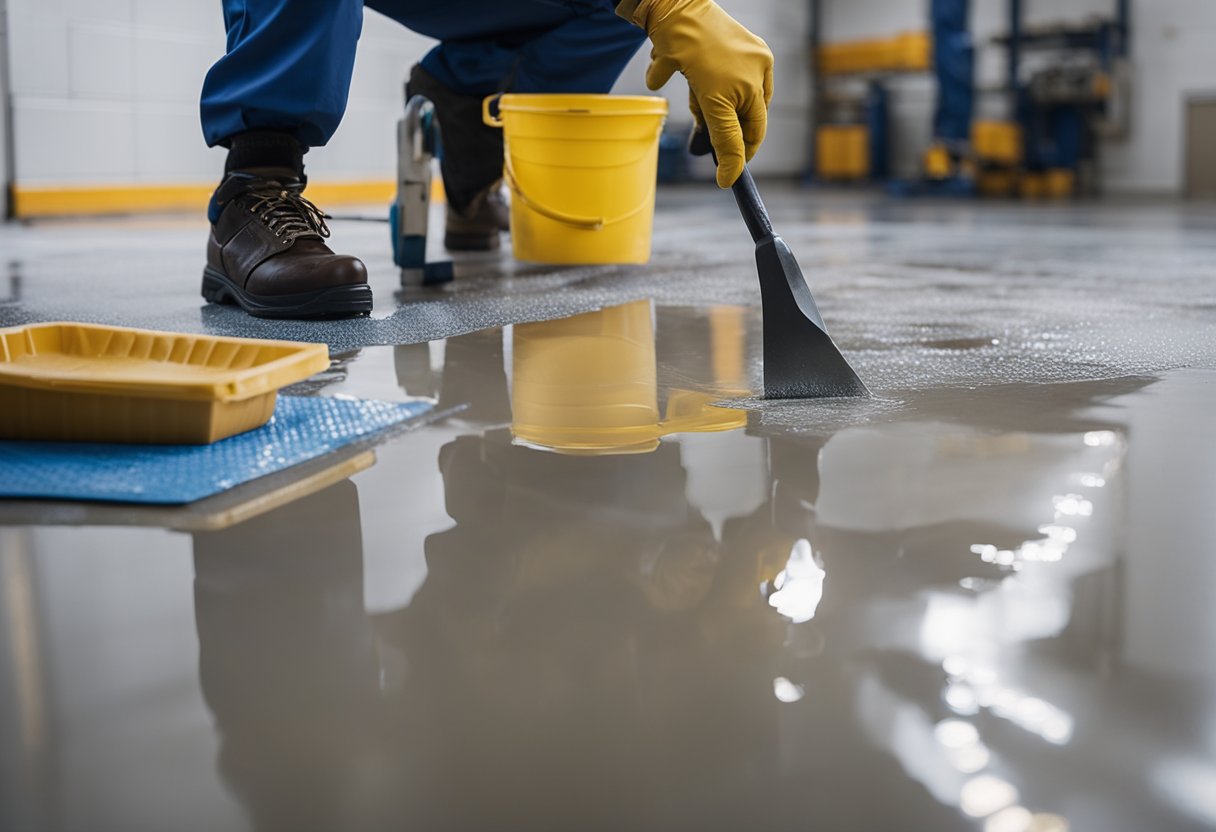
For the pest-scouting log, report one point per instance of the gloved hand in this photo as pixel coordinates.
(729, 72)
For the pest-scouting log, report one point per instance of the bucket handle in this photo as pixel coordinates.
(588, 223)
(572, 220)
(489, 118)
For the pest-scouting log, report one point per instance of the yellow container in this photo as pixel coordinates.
(588, 386)
(937, 162)
(582, 172)
(588, 383)
(1032, 185)
(997, 182)
(904, 52)
(1060, 182)
(89, 383)
(842, 151)
(999, 142)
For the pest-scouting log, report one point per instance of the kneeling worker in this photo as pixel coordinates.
(282, 86)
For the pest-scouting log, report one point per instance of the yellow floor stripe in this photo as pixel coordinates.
(39, 201)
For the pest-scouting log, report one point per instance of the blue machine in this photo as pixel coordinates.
(1055, 135)
(878, 124)
(418, 143)
(1059, 107)
(954, 69)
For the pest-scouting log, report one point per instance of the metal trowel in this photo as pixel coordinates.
(800, 359)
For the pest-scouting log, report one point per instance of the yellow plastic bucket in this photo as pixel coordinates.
(581, 169)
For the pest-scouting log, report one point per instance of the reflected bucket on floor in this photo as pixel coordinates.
(587, 384)
(582, 170)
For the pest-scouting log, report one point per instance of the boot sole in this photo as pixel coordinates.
(335, 302)
(471, 242)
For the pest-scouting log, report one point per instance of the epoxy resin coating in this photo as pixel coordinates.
(611, 588)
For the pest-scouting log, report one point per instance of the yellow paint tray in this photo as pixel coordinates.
(90, 383)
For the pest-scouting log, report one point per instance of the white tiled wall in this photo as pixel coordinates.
(1172, 59)
(5, 173)
(106, 91)
(784, 25)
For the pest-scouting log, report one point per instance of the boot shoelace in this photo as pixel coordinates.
(287, 213)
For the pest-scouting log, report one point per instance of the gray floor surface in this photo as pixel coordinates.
(979, 600)
(918, 293)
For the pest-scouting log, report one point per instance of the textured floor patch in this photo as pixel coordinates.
(301, 429)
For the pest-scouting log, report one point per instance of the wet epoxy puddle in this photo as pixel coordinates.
(595, 598)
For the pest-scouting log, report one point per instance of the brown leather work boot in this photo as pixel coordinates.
(477, 226)
(267, 252)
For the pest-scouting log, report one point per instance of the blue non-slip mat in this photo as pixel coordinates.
(302, 428)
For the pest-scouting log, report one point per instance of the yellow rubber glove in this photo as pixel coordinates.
(729, 72)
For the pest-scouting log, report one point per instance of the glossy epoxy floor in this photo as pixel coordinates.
(587, 595)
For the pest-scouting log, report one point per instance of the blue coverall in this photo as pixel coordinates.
(289, 62)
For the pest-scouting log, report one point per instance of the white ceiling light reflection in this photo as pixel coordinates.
(955, 733)
(1047, 822)
(961, 699)
(1057, 536)
(974, 686)
(971, 759)
(948, 626)
(984, 795)
(1064, 534)
(955, 665)
(961, 742)
(787, 691)
(1032, 714)
(1049, 549)
(1072, 505)
(1013, 819)
(1057, 731)
(799, 586)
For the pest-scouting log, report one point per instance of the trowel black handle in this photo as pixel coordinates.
(744, 189)
(752, 207)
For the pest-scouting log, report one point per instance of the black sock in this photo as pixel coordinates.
(265, 149)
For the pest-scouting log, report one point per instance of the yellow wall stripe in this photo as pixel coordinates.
(44, 201)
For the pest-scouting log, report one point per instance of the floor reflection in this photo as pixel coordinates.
(917, 625)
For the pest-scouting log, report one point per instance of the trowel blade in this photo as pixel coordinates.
(800, 359)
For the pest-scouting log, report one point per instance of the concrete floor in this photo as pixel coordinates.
(611, 589)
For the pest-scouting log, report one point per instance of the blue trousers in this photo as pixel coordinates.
(289, 62)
